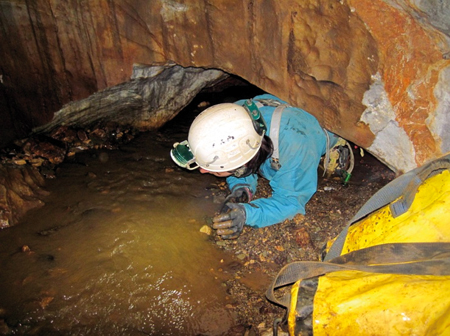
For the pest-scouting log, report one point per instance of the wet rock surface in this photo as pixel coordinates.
(21, 189)
(25, 166)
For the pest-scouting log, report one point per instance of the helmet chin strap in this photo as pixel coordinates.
(241, 171)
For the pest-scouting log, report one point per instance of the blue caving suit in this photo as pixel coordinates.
(302, 142)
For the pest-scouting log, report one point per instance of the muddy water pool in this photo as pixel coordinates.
(116, 250)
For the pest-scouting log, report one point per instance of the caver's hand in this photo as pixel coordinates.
(230, 223)
(239, 194)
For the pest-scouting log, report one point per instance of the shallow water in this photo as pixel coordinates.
(117, 250)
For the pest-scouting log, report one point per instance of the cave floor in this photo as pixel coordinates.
(263, 252)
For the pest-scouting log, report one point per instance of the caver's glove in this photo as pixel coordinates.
(229, 224)
(241, 193)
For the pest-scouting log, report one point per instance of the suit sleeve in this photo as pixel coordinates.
(292, 188)
(250, 181)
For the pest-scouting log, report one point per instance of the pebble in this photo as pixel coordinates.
(206, 229)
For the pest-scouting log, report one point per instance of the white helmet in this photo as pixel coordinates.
(222, 138)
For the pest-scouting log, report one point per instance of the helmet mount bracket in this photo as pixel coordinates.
(255, 114)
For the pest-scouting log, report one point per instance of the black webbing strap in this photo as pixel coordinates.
(398, 258)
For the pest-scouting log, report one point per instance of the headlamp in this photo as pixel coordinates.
(181, 154)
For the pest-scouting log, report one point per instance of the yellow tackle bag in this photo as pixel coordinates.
(387, 272)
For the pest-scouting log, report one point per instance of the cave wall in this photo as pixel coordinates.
(375, 72)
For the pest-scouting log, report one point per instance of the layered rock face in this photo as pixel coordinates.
(375, 72)
(21, 189)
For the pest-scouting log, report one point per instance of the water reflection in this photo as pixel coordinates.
(116, 250)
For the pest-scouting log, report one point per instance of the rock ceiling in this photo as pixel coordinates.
(376, 72)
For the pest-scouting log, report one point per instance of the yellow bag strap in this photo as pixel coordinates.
(399, 193)
(395, 258)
